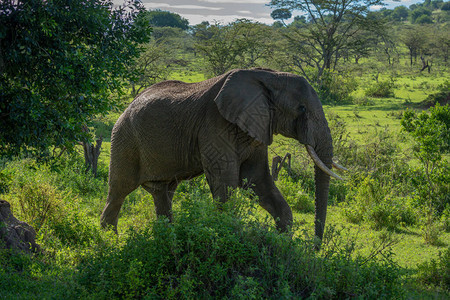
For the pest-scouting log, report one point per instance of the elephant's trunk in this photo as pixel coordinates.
(323, 160)
(322, 181)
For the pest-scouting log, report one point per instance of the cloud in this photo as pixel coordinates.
(225, 11)
(376, 7)
(187, 6)
(237, 1)
(196, 19)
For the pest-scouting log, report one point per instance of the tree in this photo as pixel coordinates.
(430, 132)
(414, 41)
(400, 13)
(331, 26)
(421, 14)
(152, 66)
(445, 6)
(218, 45)
(255, 41)
(239, 44)
(281, 14)
(60, 62)
(159, 18)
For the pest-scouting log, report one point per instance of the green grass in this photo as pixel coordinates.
(82, 261)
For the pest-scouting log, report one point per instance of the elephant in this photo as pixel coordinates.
(221, 127)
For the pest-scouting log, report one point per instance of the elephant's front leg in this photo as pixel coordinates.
(222, 172)
(256, 171)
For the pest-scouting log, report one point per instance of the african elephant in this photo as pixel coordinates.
(221, 127)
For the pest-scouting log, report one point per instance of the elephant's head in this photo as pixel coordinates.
(264, 102)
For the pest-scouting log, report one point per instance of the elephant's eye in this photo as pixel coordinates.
(302, 109)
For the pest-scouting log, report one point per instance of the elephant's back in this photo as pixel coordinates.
(163, 128)
(163, 125)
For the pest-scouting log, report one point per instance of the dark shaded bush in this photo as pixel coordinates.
(436, 272)
(381, 89)
(373, 202)
(442, 96)
(208, 253)
(336, 88)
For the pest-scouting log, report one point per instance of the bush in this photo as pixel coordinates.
(381, 89)
(207, 253)
(436, 272)
(430, 132)
(363, 101)
(295, 196)
(442, 96)
(373, 202)
(336, 88)
(42, 196)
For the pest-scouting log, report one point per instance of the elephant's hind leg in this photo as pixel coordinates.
(123, 179)
(162, 196)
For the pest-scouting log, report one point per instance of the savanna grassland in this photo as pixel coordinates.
(375, 238)
(388, 224)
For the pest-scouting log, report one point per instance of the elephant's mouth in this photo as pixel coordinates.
(319, 163)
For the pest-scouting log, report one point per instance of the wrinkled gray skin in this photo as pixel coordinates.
(221, 127)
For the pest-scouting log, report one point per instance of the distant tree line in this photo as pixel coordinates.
(323, 42)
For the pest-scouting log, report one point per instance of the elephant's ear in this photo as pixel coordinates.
(245, 101)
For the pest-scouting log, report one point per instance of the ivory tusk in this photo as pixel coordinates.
(339, 167)
(319, 162)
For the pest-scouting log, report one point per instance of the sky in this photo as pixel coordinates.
(226, 11)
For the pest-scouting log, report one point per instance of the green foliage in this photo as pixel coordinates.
(152, 66)
(381, 89)
(209, 253)
(446, 6)
(421, 15)
(281, 14)
(442, 96)
(318, 43)
(159, 18)
(431, 134)
(295, 196)
(370, 201)
(41, 197)
(240, 44)
(59, 66)
(400, 13)
(436, 272)
(336, 88)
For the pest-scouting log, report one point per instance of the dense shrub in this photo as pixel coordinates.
(381, 89)
(442, 96)
(371, 201)
(336, 88)
(430, 132)
(222, 254)
(295, 196)
(436, 272)
(47, 197)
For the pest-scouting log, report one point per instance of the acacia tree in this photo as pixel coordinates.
(255, 41)
(330, 29)
(239, 44)
(60, 62)
(218, 45)
(152, 66)
(281, 14)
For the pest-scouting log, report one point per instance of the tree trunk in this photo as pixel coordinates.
(277, 164)
(425, 64)
(91, 154)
